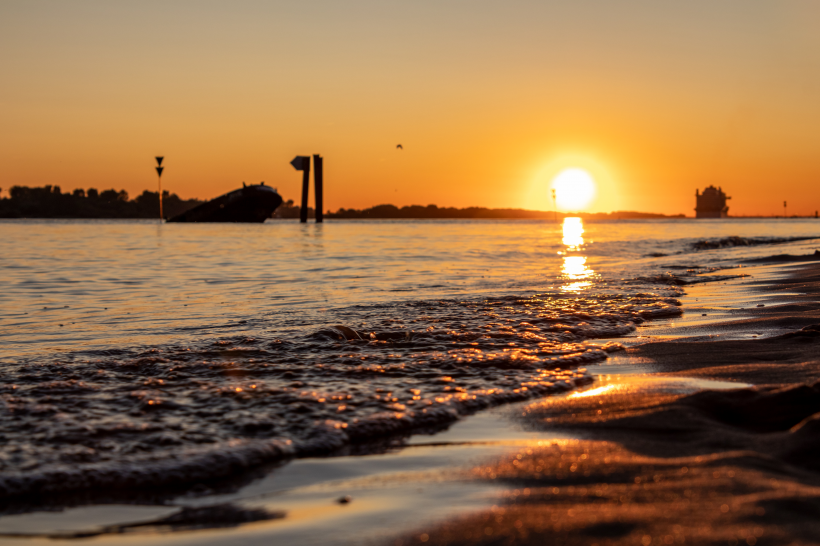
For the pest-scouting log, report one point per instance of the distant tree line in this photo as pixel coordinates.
(289, 210)
(433, 211)
(51, 202)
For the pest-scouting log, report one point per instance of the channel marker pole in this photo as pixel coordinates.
(160, 168)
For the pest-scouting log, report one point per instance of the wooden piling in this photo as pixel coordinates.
(317, 185)
(303, 212)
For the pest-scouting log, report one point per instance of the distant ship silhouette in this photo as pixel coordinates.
(249, 204)
(711, 203)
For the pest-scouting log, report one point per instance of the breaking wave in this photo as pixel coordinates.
(218, 406)
(727, 242)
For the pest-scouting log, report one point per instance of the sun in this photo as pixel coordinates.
(574, 189)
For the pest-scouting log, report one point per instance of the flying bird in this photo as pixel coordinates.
(399, 147)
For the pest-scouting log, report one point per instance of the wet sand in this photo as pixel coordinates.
(654, 464)
(703, 435)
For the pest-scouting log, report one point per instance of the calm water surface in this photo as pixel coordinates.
(137, 352)
(67, 285)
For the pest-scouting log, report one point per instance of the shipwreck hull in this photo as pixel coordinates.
(251, 204)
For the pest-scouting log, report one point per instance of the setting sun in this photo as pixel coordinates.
(574, 189)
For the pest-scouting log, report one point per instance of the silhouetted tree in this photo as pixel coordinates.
(289, 210)
(433, 211)
(50, 202)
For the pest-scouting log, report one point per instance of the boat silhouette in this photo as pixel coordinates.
(248, 204)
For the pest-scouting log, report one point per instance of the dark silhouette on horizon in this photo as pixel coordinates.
(318, 186)
(249, 204)
(302, 163)
(290, 210)
(50, 202)
(433, 211)
(160, 168)
(711, 203)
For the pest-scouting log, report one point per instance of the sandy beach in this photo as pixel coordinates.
(702, 431)
(655, 464)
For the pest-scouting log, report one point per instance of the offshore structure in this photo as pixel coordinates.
(248, 204)
(711, 203)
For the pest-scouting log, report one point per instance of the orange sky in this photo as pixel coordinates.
(489, 99)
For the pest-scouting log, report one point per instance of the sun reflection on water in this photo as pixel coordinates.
(573, 234)
(574, 267)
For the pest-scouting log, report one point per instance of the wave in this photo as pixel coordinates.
(223, 460)
(733, 241)
(218, 406)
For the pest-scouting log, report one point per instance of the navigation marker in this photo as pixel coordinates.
(159, 169)
(302, 163)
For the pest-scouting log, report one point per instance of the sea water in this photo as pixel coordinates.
(139, 353)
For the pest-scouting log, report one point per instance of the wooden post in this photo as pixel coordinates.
(302, 163)
(303, 212)
(317, 186)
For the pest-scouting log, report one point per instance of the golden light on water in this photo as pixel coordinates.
(573, 233)
(593, 392)
(574, 189)
(574, 268)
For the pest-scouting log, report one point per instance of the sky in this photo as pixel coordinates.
(490, 100)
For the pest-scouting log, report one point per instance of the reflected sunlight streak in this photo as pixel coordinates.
(573, 233)
(593, 392)
(574, 267)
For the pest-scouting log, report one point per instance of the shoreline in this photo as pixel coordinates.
(654, 465)
(457, 495)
